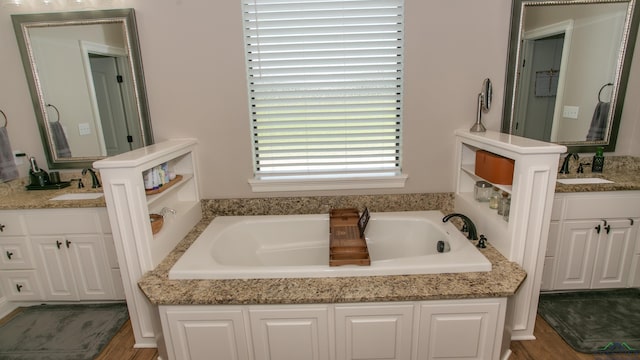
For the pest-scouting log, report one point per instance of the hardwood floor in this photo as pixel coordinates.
(549, 345)
(121, 347)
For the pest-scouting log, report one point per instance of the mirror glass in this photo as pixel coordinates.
(567, 71)
(85, 76)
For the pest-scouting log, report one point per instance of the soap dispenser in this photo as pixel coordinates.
(598, 161)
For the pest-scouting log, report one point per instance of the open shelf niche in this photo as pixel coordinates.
(523, 238)
(129, 207)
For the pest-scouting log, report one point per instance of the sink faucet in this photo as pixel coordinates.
(94, 177)
(565, 164)
(469, 226)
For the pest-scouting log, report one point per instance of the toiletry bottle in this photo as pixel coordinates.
(598, 161)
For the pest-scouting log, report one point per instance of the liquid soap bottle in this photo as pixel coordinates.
(598, 161)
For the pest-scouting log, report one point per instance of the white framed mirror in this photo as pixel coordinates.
(567, 71)
(87, 85)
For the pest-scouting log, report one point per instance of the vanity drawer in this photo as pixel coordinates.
(62, 221)
(11, 224)
(21, 285)
(15, 253)
(603, 205)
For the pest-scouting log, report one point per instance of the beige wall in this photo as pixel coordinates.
(193, 63)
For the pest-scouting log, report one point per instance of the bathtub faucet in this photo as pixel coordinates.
(469, 226)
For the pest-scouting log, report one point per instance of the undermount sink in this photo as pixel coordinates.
(78, 196)
(583, 181)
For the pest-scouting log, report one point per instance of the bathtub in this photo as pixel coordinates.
(254, 247)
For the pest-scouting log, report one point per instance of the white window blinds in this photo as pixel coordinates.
(325, 83)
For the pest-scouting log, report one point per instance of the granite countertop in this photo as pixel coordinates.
(624, 171)
(503, 280)
(20, 199)
(622, 181)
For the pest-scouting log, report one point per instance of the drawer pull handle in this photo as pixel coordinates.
(68, 243)
(608, 228)
(631, 221)
(58, 244)
(2, 227)
(19, 287)
(598, 228)
(9, 254)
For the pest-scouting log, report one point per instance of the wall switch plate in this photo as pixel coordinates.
(570, 112)
(84, 128)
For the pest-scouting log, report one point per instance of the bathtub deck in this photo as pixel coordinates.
(504, 279)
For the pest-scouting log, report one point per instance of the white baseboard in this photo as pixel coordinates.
(6, 307)
(522, 337)
(506, 355)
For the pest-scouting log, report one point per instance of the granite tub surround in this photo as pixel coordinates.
(322, 204)
(624, 171)
(16, 197)
(503, 280)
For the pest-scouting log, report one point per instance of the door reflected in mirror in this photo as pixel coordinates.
(568, 71)
(87, 85)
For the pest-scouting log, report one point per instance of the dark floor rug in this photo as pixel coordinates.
(595, 321)
(61, 332)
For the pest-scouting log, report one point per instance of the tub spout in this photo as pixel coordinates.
(469, 226)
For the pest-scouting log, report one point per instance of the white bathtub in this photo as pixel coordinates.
(253, 247)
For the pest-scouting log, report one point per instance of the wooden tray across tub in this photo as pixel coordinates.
(346, 245)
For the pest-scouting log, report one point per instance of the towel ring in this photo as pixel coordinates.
(602, 88)
(57, 112)
(6, 121)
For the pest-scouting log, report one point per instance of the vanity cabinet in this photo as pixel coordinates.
(60, 255)
(464, 329)
(593, 245)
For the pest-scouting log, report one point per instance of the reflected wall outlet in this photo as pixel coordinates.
(84, 128)
(570, 112)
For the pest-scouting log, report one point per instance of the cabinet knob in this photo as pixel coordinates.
(9, 254)
(598, 228)
(68, 243)
(19, 287)
(58, 244)
(607, 228)
(1, 227)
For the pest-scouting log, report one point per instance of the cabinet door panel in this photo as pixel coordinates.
(293, 333)
(459, 331)
(90, 268)
(374, 332)
(576, 255)
(54, 268)
(206, 334)
(615, 251)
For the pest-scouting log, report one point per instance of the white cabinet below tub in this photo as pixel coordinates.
(462, 329)
(592, 241)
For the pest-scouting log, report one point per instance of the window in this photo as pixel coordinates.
(325, 83)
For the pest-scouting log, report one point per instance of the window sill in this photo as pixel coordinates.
(382, 182)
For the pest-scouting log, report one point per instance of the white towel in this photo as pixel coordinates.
(8, 169)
